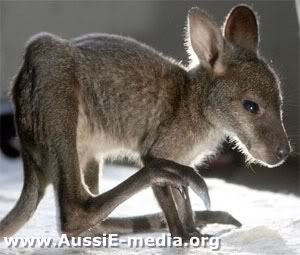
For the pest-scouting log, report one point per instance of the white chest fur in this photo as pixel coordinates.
(205, 147)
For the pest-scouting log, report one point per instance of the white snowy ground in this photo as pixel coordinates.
(271, 221)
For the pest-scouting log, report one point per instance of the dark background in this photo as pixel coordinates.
(161, 25)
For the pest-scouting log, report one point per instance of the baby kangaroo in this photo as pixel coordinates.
(80, 101)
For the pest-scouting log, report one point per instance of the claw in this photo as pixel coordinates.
(190, 178)
(182, 192)
(199, 186)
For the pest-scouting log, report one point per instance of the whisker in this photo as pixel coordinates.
(249, 166)
(295, 153)
(290, 104)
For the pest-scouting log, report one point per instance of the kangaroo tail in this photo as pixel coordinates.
(25, 206)
(33, 188)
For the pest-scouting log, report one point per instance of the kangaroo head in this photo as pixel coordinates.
(244, 97)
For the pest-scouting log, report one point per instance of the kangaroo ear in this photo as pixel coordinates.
(205, 39)
(241, 27)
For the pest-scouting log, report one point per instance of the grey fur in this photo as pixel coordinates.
(82, 100)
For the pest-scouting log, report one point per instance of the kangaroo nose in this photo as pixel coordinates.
(282, 153)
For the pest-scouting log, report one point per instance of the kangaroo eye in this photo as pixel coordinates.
(251, 106)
